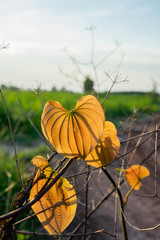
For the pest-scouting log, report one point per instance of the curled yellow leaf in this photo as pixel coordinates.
(135, 174)
(107, 149)
(57, 208)
(73, 133)
(40, 162)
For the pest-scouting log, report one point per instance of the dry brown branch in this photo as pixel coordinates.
(65, 235)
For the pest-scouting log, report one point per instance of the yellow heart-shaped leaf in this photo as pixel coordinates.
(107, 149)
(135, 174)
(57, 208)
(73, 133)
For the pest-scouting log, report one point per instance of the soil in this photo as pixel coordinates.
(142, 210)
(141, 213)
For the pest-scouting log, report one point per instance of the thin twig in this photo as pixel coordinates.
(86, 205)
(140, 135)
(9, 175)
(44, 140)
(119, 157)
(105, 197)
(75, 63)
(39, 196)
(140, 229)
(121, 203)
(92, 62)
(12, 137)
(64, 234)
(53, 206)
(115, 213)
(156, 159)
(108, 55)
(113, 82)
(4, 45)
(137, 143)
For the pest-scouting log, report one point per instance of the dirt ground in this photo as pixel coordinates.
(142, 210)
(141, 213)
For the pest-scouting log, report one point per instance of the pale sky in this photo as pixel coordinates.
(38, 31)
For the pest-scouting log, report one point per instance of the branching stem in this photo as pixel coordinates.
(38, 197)
(121, 203)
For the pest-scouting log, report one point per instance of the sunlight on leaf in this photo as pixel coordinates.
(107, 148)
(57, 217)
(73, 133)
(135, 174)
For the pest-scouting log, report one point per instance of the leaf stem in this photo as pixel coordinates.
(12, 137)
(44, 140)
(121, 203)
(38, 197)
(86, 205)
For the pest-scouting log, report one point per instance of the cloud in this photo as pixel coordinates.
(142, 55)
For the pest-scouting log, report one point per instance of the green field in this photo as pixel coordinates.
(117, 107)
(31, 104)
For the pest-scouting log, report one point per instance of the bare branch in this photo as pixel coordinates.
(86, 205)
(12, 137)
(44, 140)
(64, 234)
(4, 45)
(38, 197)
(116, 79)
(108, 55)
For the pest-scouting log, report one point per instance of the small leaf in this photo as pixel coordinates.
(56, 213)
(73, 133)
(43, 165)
(118, 169)
(135, 174)
(107, 149)
(40, 162)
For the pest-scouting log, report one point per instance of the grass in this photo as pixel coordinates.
(117, 107)
(122, 105)
(31, 104)
(10, 184)
(8, 174)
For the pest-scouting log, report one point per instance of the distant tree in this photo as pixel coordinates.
(54, 89)
(3, 86)
(14, 88)
(154, 92)
(63, 89)
(88, 85)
